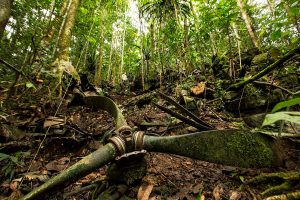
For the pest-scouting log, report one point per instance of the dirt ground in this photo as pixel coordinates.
(75, 132)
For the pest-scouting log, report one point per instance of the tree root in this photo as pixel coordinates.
(290, 196)
(278, 183)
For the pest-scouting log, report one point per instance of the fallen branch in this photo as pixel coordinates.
(18, 73)
(183, 118)
(287, 181)
(185, 111)
(11, 67)
(275, 86)
(15, 69)
(265, 71)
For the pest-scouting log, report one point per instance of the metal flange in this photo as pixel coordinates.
(119, 143)
(138, 140)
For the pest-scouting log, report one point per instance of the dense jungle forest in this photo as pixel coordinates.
(149, 99)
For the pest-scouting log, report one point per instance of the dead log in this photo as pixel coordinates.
(275, 65)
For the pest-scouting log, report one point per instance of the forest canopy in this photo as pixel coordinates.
(142, 39)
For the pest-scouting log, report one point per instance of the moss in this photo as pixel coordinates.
(229, 147)
(249, 144)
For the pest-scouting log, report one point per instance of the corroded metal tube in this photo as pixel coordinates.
(80, 169)
(105, 103)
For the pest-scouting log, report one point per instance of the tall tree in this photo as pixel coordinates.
(62, 62)
(292, 13)
(248, 23)
(98, 70)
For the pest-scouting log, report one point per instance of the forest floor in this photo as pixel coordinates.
(74, 132)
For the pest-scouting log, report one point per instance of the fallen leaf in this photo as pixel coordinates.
(54, 121)
(144, 192)
(198, 188)
(13, 185)
(198, 89)
(58, 165)
(36, 176)
(235, 195)
(217, 192)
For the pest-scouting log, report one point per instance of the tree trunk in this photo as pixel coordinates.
(65, 40)
(123, 46)
(98, 72)
(271, 6)
(5, 10)
(142, 54)
(248, 23)
(62, 62)
(108, 75)
(198, 41)
(213, 43)
(185, 47)
(292, 18)
(238, 39)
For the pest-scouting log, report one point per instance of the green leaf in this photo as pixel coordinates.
(29, 85)
(14, 159)
(262, 32)
(92, 40)
(242, 179)
(3, 156)
(288, 116)
(275, 35)
(294, 40)
(294, 11)
(83, 10)
(285, 104)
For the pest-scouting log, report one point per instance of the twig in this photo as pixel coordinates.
(272, 85)
(15, 144)
(88, 187)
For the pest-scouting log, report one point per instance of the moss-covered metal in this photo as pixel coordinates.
(229, 147)
(80, 169)
(105, 103)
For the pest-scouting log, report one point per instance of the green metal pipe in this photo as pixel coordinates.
(240, 148)
(105, 103)
(88, 164)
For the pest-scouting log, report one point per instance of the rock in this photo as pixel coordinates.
(253, 100)
(231, 95)
(254, 121)
(190, 103)
(274, 53)
(248, 56)
(260, 59)
(264, 59)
